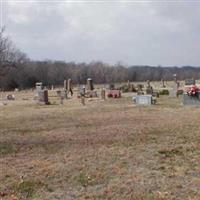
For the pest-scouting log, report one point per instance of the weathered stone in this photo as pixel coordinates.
(191, 100)
(38, 86)
(175, 78)
(144, 100)
(70, 87)
(149, 90)
(90, 84)
(65, 85)
(132, 88)
(174, 91)
(139, 87)
(111, 86)
(103, 94)
(163, 83)
(190, 82)
(114, 93)
(43, 97)
(46, 97)
(148, 83)
(58, 92)
(82, 91)
(69, 84)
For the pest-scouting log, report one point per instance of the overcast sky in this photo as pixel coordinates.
(133, 32)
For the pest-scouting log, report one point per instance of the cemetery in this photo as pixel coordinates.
(99, 100)
(77, 138)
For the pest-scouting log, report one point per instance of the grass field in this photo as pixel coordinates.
(105, 150)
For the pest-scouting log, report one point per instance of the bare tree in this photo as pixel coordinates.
(10, 56)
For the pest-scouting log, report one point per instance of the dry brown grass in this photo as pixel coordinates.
(104, 150)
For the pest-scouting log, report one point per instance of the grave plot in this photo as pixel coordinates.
(128, 87)
(88, 90)
(191, 96)
(145, 100)
(41, 94)
(113, 92)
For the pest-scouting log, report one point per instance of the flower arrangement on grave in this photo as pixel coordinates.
(193, 91)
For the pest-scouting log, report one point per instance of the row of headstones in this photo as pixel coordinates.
(151, 96)
(192, 100)
(42, 93)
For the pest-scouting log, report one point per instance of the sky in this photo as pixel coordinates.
(165, 33)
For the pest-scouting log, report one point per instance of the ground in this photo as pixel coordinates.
(105, 150)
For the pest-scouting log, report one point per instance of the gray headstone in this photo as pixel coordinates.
(143, 100)
(103, 94)
(90, 84)
(38, 86)
(173, 91)
(191, 101)
(190, 82)
(43, 97)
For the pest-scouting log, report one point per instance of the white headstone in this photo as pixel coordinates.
(143, 99)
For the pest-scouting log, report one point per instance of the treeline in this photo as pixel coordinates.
(18, 71)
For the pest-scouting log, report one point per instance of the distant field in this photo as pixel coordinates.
(105, 150)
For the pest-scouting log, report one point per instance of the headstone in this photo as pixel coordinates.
(63, 93)
(144, 100)
(65, 85)
(46, 97)
(114, 93)
(163, 83)
(82, 91)
(149, 89)
(174, 91)
(90, 84)
(132, 88)
(58, 92)
(148, 83)
(155, 94)
(111, 86)
(38, 86)
(43, 97)
(139, 87)
(103, 94)
(190, 82)
(69, 86)
(175, 77)
(191, 100)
